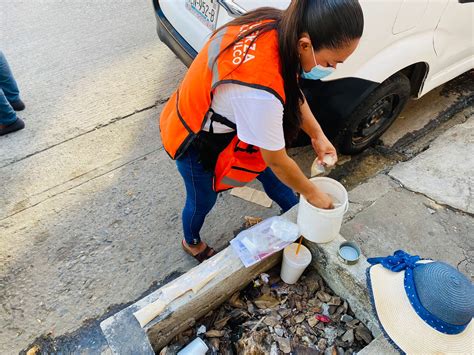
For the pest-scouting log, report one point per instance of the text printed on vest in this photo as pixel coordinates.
(244, 50)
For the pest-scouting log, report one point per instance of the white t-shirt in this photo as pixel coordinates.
(257, 114)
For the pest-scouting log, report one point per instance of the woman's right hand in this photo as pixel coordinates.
(320, 199)
(290, 174)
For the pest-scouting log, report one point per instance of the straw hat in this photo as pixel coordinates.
(423, 306)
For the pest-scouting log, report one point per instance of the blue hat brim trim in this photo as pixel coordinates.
(372, 302)
(430, 319)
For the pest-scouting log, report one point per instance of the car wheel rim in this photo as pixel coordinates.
(380, 116)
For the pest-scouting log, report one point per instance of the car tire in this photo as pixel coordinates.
(373, 116)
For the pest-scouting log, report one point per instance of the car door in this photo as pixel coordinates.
(409, 15)
(453, 40)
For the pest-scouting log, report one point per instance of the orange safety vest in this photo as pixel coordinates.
(254, 64)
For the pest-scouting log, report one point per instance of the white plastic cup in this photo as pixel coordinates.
(196, 347)
(319, 225)
(293, 265)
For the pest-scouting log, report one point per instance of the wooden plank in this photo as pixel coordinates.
(186, 310)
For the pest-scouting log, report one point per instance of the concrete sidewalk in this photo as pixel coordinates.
(423, 206)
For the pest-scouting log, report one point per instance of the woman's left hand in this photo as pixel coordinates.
(322, 146)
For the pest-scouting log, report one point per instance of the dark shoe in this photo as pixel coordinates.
(18, 105)
(15, 126)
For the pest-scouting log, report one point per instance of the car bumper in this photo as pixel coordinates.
(169, 36)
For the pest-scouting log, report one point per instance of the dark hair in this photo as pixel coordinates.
(329, 23)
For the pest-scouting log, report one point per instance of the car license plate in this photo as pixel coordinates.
(205, 10)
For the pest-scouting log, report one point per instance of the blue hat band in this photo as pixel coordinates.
(423, 313)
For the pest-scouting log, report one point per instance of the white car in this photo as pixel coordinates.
(408, 48)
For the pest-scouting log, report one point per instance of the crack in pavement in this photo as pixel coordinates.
(99, 126)
(364, 205)
(79, 184)
(467, 259)
(449, 207)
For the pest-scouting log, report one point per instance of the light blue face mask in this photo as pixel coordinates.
(317, 72)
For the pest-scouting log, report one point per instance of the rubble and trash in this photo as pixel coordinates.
(196, 347)
(251, 221)
(271, 317)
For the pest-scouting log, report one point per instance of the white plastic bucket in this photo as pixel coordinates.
(196, 347)
(293, 265)
(320, 225)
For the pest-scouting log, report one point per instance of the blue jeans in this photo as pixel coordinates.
(9, 92)
(200, 196)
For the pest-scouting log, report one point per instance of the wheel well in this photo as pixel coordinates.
(416, 73)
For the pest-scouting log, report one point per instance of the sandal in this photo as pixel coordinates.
(207, 253)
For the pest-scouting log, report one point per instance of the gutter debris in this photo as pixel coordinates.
(271, 317)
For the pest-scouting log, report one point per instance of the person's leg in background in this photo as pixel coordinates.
(9, 100)
(9, 86)
(200, 198)
(277, 191)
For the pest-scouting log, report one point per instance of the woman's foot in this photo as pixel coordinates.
(15, 126)
(200, 251)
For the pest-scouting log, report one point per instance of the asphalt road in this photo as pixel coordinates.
(89, 202)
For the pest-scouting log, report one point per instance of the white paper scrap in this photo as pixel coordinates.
(252, 195)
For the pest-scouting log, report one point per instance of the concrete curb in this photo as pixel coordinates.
(124, 334)
(379, 346)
